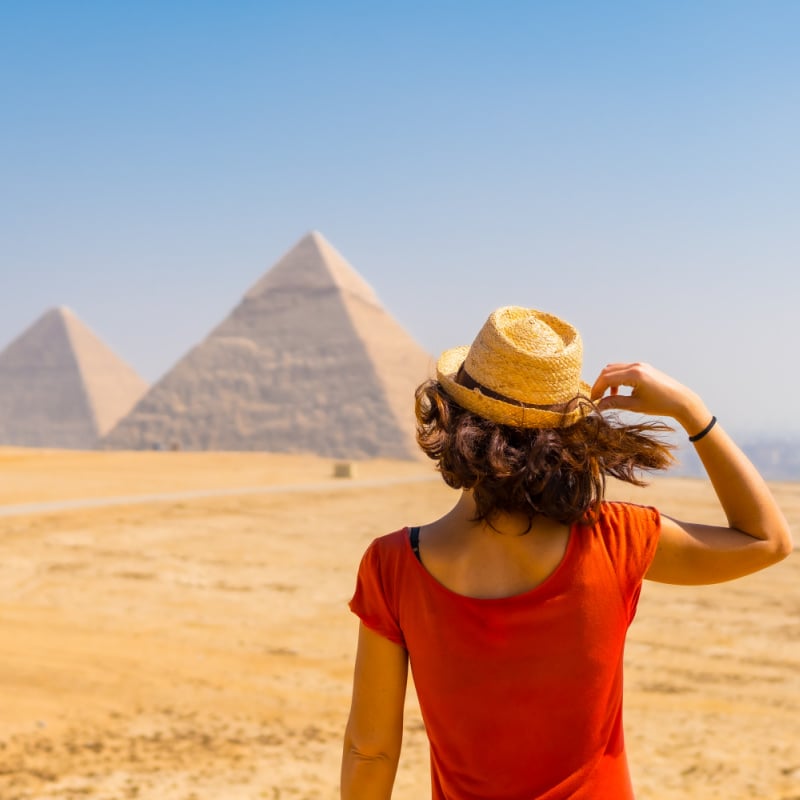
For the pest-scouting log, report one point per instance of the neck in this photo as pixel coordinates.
(505, 523)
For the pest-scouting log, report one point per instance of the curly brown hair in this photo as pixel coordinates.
(559, 473)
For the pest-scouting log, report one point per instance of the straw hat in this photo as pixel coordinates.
(523, 369)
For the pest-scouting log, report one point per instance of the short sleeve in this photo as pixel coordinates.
(631, 533)
(373, 601)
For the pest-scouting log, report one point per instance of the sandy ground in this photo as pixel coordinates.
(201, 648)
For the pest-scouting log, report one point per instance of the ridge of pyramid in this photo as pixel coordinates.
(112, 385)
(313, 264)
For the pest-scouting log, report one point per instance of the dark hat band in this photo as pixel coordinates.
(463, 378)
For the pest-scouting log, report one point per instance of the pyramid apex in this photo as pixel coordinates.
(53, 311)
(314, 237)
(63, 314)
(64, 311)
(317, 236)
(313, 263)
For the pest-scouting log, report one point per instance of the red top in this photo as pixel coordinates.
(521, 696)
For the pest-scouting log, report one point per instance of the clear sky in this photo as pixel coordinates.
(631, 166)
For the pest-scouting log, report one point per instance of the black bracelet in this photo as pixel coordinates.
(698, 436)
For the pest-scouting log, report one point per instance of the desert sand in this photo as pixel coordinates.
(196, 647)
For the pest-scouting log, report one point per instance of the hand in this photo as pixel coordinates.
(652, 392)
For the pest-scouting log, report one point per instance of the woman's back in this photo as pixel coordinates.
(520, 693)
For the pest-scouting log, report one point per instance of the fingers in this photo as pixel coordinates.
(622, 402)
(614, 376)
(652, 392)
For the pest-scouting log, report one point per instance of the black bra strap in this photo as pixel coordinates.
(414, 535)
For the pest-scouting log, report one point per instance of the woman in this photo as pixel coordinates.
(513, 607)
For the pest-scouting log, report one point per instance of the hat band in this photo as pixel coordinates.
(463, 378)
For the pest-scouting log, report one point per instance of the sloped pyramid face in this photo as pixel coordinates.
(60, 386)
(309, 361)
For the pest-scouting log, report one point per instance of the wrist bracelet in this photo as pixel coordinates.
(698, 436)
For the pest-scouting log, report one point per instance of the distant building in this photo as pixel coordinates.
(775, 458)
(308, 361)
(60, 386)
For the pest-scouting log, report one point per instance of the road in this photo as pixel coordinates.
(332, 485)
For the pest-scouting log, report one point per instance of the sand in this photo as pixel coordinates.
(201, 647)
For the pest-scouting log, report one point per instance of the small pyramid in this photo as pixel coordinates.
(309, 361)
(60, 386)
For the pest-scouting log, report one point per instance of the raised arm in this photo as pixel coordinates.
(374, 730)
(690, 553)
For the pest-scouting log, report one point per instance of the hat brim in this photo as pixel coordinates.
(506, 413)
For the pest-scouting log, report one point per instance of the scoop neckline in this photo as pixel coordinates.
(540, 588)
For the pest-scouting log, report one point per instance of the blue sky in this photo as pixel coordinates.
(633, 167)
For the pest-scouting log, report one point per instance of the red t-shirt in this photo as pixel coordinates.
(521, 696)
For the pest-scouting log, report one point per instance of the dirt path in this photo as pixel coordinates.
(28, 509)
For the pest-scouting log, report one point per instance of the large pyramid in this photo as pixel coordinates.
(309, 361)
(60, 386)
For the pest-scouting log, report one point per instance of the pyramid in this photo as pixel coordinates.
(309, 361)
(60, 386)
